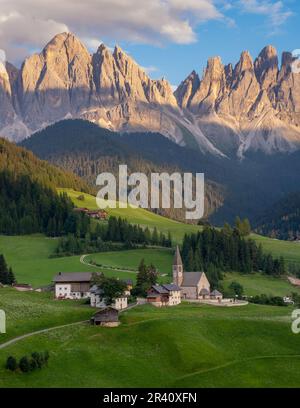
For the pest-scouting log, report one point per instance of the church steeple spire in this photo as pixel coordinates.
(177, 268)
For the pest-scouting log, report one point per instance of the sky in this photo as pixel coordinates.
(169, 38)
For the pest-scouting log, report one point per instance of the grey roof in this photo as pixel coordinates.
(204, 291)
(73, 277)
(109, 314)
(160, 289)
(191, 278)
(171, 287)
(216, 293)
(177, 257)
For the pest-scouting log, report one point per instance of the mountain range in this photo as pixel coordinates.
(231, 111)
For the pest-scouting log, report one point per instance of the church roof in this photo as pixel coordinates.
(191, 278)
(177, 257)
(216, 293)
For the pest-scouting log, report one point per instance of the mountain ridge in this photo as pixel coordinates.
(230, 111)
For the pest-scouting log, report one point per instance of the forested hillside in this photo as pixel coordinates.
(87, 150)
(282, 221)
(19, 162)
(27, 207)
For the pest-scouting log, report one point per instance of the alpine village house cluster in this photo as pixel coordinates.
(192, 286)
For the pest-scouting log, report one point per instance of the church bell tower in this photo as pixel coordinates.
(177, 268)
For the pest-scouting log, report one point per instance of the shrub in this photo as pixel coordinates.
(24, 364)
(11, 363)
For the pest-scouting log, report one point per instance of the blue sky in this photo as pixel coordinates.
(169, 38)
(250, 32)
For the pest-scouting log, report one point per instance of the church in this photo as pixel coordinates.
(194, 285)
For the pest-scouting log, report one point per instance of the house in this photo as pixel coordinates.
(97, 214)
(96, 295)
(108, 317)
(194, 285)
(164, 295)
(73, 285)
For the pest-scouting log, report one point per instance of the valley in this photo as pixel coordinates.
(144, 298)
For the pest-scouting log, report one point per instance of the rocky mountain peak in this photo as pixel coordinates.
(245, 63)
(266, 67)
(227, 110)
(186, 90)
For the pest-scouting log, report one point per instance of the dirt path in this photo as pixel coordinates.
(84, 262)
(24, 336)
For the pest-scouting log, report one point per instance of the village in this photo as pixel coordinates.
(185, 286)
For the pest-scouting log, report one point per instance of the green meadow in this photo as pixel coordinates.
(30, 311)
(256, 283)
(289, 250)
(30, 258)
(136, 216)
(183, 346)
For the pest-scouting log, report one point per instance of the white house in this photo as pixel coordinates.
(74, 285)
(96, 295)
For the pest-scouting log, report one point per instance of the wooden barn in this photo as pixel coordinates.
(108, 317)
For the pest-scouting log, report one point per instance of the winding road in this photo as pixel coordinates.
(84, 262)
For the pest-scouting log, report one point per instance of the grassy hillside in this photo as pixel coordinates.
(30, 259)
(136, 216)
(289, 250)
(20, 161)
(256, 283)
(30, 311)
(185, 346)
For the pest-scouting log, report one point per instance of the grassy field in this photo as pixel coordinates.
(31, 311)
(137, 216)
(256, 283)
(289, 250)
(161, 258)
(184, 346)
(29, 256)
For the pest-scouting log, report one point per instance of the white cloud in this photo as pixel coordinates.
(275, 12)
(29, 24)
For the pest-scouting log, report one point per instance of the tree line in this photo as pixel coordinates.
(215, 250)
(117, 234)
(28, 207)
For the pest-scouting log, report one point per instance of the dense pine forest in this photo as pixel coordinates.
(19, 162)
(117, 234)
(282, 221)
(28, 207)
(215, 251)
